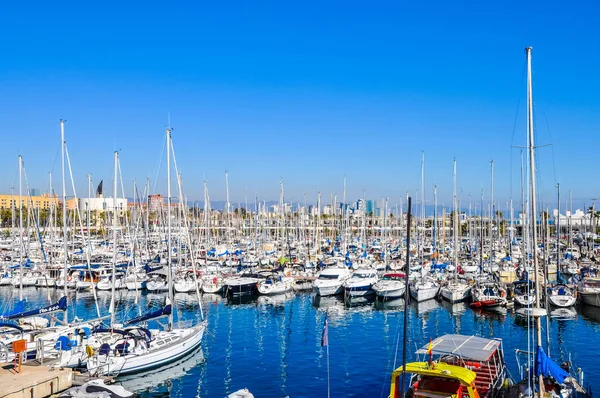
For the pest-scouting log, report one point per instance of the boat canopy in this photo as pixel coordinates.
(467, 347)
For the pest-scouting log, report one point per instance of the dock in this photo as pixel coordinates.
(33, 381)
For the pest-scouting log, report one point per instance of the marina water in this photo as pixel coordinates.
(272, 345)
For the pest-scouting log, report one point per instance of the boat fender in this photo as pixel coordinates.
(89, 350)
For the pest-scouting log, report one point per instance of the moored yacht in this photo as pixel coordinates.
(329, 281)
(390, 286)
(589, 291)
(361, 283)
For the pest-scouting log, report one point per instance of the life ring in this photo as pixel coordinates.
(502, 293)
(89, 350)
(70, 278)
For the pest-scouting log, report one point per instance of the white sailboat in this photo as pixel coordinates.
(454, 290)
(137, 348)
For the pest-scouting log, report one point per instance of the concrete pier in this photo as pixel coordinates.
(34, 380)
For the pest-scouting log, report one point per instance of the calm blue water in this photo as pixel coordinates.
(272, 346)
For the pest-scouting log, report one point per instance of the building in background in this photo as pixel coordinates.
(41, 202)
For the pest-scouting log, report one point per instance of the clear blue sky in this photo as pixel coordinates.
(309, 92)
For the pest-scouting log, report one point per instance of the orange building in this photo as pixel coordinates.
(36, 202)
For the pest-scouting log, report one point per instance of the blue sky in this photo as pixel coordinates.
(308, 92)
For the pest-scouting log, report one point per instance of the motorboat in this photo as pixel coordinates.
(589, 291)
(390, 286)
(275, 284)
(361, 283)
(330, 281)
(455, 365)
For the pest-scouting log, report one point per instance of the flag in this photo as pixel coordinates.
(325, 337)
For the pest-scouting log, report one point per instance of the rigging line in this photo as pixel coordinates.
(162, 153)
(523, 74)
(551, 140)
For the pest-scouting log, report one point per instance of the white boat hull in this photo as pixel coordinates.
(423, 293)
(102, 365)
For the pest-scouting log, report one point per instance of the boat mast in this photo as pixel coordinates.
(169, 276)
(492, 217)
(114, 260)
(558, 228)
(434, 235)
(21, 247)
(533, 199)
(64, 208)
(420, 236)
(455, 230)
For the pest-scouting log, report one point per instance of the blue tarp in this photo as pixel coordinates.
(547, 367)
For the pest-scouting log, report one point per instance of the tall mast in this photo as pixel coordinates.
(88, 208)
(455, 224)
(20, 228)
(114, 260)
(533, 198)
(420, 249)
(169, 249)
(64, 208)
(492, 215)
(558, 227)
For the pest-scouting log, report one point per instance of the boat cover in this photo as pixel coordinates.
(547, 367)
(61, 305)
(467, 347)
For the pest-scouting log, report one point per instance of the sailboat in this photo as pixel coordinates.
(137, 348)
(549, 377)
(453, 290)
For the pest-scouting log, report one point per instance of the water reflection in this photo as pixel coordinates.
(328, 302)
(241, 299)
(590, 313)
(424, 307)
(161, 380)
(390, 305)
(358, 302)
(455, 308)
(276, 299)
(569, 313)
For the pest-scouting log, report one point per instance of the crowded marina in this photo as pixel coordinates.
(105, 289)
